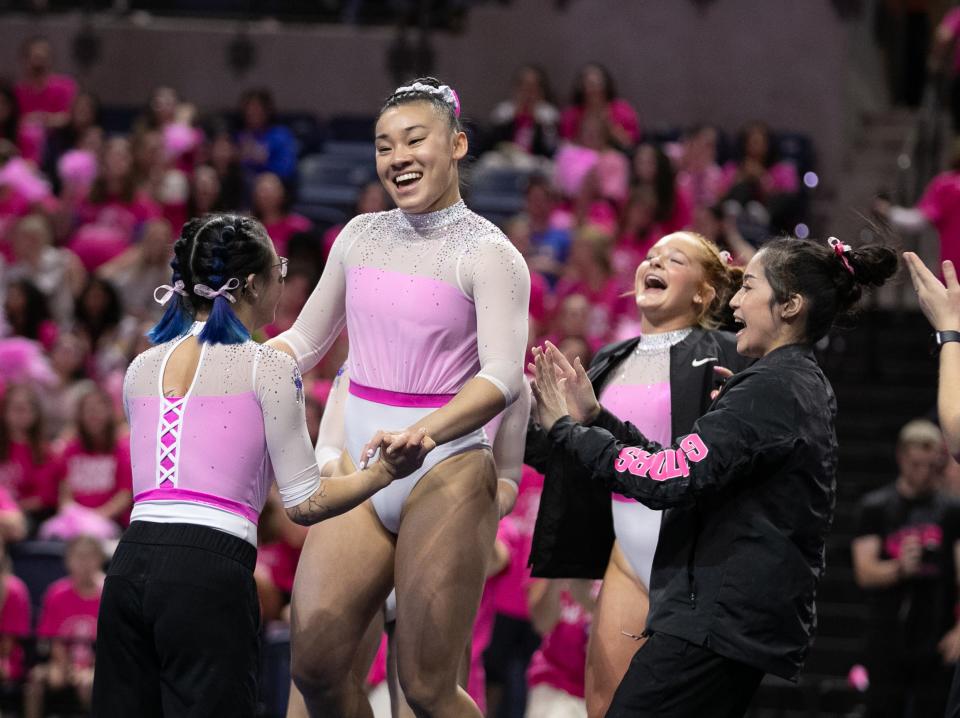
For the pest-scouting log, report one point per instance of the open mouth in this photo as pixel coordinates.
(739, 324)
(407, 180)
(653, 282)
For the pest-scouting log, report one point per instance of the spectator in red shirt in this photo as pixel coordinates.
(44, 97)
(68, 620)
(594, 94)
(97, 462)
(939, 207)
(28, 470)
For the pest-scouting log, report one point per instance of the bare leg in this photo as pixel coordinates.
(398, 704)
(621, 608)
(343, 578)
(446, 530)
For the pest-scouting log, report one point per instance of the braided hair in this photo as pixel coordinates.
(214, 251)
(447, 109)
(176, 319)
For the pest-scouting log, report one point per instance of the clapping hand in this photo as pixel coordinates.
(548, 390)
(578, 390)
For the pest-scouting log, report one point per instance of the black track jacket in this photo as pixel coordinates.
(750, 493)
(574, 531)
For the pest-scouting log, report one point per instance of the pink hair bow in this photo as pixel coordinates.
(841, 249)
(224, 291)
(726, 257)
(168, 292)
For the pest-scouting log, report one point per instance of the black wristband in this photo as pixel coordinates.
(938, 339)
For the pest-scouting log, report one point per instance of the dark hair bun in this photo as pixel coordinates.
(873, 265)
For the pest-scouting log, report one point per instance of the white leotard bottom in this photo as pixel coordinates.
(637, 529)
(364, 418)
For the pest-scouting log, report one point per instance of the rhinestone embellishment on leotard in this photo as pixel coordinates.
(430, 221)
(659, 342)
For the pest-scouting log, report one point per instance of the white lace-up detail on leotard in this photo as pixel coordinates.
(210, 456)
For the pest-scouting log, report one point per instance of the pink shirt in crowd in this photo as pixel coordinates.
(14, 621)
(95, 478)
(68, 616)
(282, 230)
(781, 178)
(55, 96)
(280, 559)
(619, 112)
(940, 204)
(106, 229)
(509, 591)
(21, 479)
(561, 659)
(483, 625)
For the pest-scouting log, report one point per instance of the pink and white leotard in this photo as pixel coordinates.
(638, 391)
(430, 301)
(210, 456)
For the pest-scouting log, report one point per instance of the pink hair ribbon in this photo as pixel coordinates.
(224, 291)
(168, 292)
(841, 249)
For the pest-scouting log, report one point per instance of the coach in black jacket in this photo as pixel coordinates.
(561, 548)
(750, 490)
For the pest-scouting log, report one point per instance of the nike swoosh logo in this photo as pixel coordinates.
(701, 362)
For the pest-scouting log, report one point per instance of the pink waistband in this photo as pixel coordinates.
(199, 497)
(399, 398)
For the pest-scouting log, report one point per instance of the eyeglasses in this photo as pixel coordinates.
(283, 267)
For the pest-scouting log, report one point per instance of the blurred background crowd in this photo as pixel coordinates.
(93, 194)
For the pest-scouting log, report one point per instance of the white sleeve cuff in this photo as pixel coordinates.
(299, 488)
(507, 394)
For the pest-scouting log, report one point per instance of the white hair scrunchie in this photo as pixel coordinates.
(444, 92)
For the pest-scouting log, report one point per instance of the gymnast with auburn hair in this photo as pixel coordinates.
(750, 488)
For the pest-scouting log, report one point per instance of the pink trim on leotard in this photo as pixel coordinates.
(198, 497)
(399, 398)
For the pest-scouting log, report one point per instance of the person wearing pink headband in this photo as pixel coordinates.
(435, 301)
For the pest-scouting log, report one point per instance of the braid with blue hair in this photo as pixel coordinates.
(225, 250)
(176, 320)
(222, 326)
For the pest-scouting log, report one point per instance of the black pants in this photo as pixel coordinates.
(670, 677)
(178, 628)
(512, 645)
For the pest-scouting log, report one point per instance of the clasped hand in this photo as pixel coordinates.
(401, 452)
(561, 388)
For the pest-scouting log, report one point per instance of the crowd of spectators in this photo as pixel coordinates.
(87, 222)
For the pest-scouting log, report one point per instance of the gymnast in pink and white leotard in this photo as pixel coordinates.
(430, 301)
(638, 391)
(210, 456)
